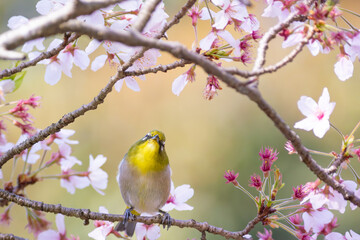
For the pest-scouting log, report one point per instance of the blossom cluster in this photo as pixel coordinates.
(119, 17)
(220, 44)
(35, 164)
(310, 218)
(328, 34)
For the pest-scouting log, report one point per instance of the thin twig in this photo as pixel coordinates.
(42, 56)
(283, 62)
(4, 236)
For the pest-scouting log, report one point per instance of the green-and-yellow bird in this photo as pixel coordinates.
(145, 179)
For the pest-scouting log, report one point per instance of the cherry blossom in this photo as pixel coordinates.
(178, 197)
(213, 39)
(45, 7)
(351, 235)
(315, 220)
(335, 236)
(276, 9)
(344, 68)
(267, 235)
(55, 65)
(63, 135)
(144, 231)
(55, 235)
(66, 160)
(5, 218)
(16, 22)
(6, 86)
(70, 182)
(103, 228)
(180, 82)
(328, 196)
(231, 10)
(73, 54)
(98, 177)
(36, 221)
(352, 48)
(231, 177)
(317, 114)
(30, 155)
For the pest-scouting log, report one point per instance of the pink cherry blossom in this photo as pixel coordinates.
(73, 54)
(317, 114)
(70, 182)
(180, 82)
(144, 231)
(230, 10)
(328, 196)
(315, 220)
(250, 24)
(103, 228)
(98, 177)
(344, 68)
(178, 197)
(276, 9)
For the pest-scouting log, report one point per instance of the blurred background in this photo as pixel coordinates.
(204, 138)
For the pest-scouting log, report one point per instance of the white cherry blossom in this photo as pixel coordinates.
(317, 114)
(178, 197)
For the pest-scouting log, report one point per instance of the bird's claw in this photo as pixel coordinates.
(166, 220)
(128, 215)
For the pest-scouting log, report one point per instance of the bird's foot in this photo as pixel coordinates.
(166, 219)
(128, 215)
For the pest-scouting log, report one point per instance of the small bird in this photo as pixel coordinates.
(144, 178)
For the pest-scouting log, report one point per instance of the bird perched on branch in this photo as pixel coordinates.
(144, 178)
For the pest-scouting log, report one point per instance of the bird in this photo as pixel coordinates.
(144, 178)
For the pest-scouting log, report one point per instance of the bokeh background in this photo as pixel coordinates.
(204, 138)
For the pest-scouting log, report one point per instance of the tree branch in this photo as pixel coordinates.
(42, 56)
(10, 237)
(46, 25)
(145, 14)
(132, 38)
(86, 215)
(273, 68)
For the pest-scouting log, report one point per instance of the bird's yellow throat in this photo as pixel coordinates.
(148, 156)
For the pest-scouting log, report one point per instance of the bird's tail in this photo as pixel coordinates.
(128, 227)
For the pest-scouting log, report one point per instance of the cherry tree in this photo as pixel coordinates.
(130, 36)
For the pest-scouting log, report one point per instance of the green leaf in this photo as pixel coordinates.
(19, 79)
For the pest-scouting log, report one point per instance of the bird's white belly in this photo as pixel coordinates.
(146, 193)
